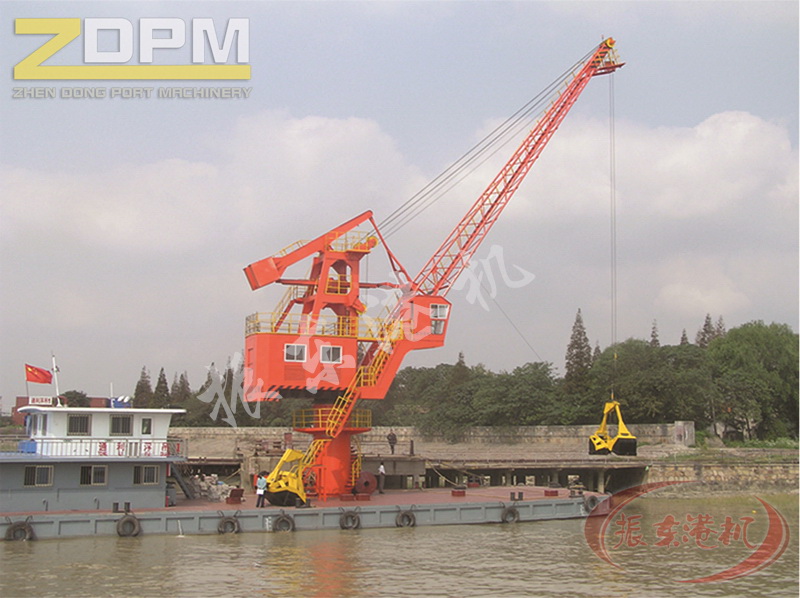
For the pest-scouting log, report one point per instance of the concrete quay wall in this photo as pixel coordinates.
(503, 443)
(725, 477)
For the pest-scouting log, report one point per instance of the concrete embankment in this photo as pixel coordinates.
(730, 470)
(541, 455)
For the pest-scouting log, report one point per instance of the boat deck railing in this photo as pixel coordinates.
(96, 447)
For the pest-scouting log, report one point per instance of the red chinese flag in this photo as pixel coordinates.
(34, 374)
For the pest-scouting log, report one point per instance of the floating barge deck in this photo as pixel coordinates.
(395, 508)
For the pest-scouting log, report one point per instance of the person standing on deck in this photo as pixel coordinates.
(381, 477)
(392, 439)
(261, 489)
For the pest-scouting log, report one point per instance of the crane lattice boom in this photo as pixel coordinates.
(447, 263)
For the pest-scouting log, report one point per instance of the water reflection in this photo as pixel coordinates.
(531, 559)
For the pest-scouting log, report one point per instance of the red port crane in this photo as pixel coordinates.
(319, 341)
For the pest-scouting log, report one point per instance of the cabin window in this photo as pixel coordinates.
(147, 425)
(121, 425)
(93, 475)
(294, 353)
(330, 354)
(38, 475)
(438, 318)
(438, 311)
(36, 424)
(145, 474)
(79, 425)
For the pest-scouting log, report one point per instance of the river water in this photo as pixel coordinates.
(549, 558)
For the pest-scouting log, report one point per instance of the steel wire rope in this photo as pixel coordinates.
(456, 172)
(613, 209)
(444, 477)
(613, 223)
(487, 147)
(473, 158)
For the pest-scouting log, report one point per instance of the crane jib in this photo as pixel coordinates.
(453, 256)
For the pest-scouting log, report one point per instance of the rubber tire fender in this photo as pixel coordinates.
(349, 520)
(590, 502)
(405, 519)
(228, 525)
(20, 531)
(283, 523)
(129, 526)
(510, 515)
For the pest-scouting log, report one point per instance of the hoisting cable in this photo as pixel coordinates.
(460, 169)
(613, 202)
(511, 322)
(474, 157)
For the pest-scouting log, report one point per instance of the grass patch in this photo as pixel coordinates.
(778, 443)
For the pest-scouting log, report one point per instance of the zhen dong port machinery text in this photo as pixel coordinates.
(319, 341)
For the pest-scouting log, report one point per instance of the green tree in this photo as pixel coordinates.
(719, 328)
(767, 356)
(579, 354)
(654, 342)
(75, 398)
(160, 398)
(740, 399)
(633, 374)
(710, 332)
(143, 395)
(449, 403)
(181, 392)
(689, 392)
(684, 338)
(706, 333)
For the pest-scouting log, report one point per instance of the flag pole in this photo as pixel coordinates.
(55, 377)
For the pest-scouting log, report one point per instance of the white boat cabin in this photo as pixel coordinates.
(99, 432)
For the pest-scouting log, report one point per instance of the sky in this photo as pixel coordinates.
(125, 223)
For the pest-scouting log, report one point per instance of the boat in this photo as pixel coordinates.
(83, 471)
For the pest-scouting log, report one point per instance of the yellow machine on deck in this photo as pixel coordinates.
(624, 443)
(285, 482)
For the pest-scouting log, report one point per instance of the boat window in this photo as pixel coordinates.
(147, 425)
(145, 474)
(38, 475)
(79, 425)
(93, 475)
(121, 425)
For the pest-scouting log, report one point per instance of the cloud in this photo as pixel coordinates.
(153, 208)
(697, 286)
(121, 260)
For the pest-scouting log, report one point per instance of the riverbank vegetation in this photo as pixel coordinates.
(743, 381)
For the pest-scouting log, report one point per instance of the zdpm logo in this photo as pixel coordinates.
(151, 37)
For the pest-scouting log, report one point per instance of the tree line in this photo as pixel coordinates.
(743, 381)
